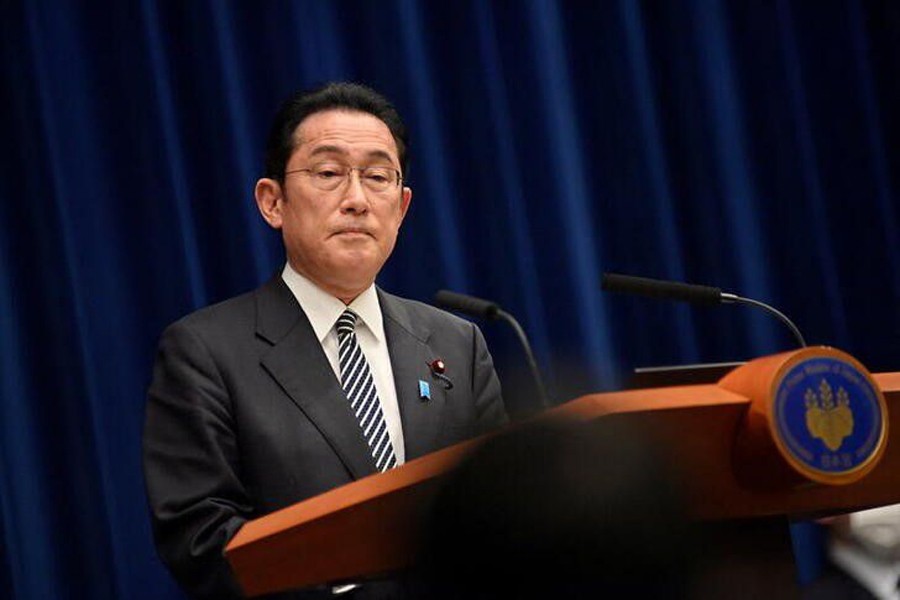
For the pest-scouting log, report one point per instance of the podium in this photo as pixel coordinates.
(733, 464)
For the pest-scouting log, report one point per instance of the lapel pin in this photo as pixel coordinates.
(438, 368)
(424, 390)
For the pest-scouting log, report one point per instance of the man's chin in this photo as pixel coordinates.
(356, 270)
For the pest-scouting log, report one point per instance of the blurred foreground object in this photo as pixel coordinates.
(559, 509)
(877, 531)
(864, 551)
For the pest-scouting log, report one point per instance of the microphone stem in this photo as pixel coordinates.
(532, 363)
(735, 299)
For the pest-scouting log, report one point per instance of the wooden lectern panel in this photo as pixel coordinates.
(305, 544)
(698, 425)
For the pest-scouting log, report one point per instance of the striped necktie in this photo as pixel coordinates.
(356, 379)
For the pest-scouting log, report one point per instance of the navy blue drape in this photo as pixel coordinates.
(751, 146)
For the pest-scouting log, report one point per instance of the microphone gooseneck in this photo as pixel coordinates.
(686, 292)
(735, 299)
(485, 309)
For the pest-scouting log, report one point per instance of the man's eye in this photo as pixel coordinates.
(327, 173)
(378, 175)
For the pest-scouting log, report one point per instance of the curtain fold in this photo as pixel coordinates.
(751, 146)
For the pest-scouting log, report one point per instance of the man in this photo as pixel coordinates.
(318, 377)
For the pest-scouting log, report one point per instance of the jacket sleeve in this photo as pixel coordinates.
(197, 501)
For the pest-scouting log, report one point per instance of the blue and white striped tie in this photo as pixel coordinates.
(356, 379)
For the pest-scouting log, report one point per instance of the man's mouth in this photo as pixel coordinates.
(353, 231)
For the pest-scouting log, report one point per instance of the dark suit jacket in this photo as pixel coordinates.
(245, 416)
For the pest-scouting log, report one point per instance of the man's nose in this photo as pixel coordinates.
(355, 199)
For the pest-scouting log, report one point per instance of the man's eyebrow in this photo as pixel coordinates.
(380, 154)
(327, 149)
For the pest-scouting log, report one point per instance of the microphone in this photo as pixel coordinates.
(485, 309)
(665, 290)
(470, 305)
(686, 292)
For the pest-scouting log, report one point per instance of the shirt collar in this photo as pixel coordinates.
(323, 309)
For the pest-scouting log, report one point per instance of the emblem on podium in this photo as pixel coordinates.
(828, 417)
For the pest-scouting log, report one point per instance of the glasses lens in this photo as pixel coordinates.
(330, 176)
(379, 179)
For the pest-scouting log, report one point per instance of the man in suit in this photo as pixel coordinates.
(317, 378)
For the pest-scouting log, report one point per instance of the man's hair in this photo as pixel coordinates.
(332, 96)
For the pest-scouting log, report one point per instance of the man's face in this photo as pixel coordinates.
(338, 239)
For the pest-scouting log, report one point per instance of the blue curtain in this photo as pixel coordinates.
(751, 146)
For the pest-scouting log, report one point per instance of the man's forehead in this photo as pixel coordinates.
(340, 131)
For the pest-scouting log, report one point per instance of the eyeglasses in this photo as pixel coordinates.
(328, 177)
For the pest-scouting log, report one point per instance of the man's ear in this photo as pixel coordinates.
(269, 200)
(405, 199)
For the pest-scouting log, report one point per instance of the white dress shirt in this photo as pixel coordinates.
(322, 309)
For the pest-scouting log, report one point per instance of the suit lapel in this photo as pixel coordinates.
(410, 359)
(299, 365)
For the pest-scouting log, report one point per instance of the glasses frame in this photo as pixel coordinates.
(348, 177)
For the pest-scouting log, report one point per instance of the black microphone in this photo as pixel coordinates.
(485, 309)
(686, 292)
(470, 305)
(666, 290)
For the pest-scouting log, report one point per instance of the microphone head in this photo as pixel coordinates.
(655, 288)
(470, 305)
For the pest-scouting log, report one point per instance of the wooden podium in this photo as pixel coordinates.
(729, 469)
